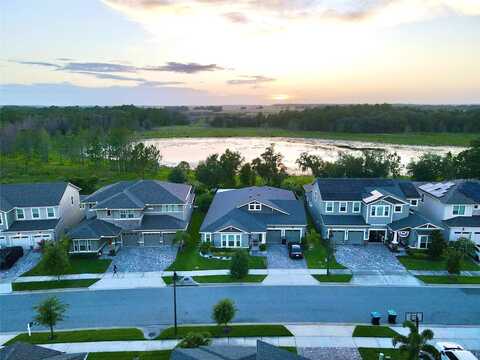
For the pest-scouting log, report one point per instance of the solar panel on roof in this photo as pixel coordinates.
(438, 189)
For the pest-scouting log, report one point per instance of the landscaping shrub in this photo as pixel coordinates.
(437, 246)
(454, 259)
(464, 246)
(263, 247)
(205, 247)
(239, 265)
(204, 201)
(195, 339)
(224, 312)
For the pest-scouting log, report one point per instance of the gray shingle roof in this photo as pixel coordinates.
(24, 351)
(161, 222)
(267, 351)
(28, 195)
(462, 192)
(32, 225)
(225, 209)
(137, 194)
(463, 221)
(413, 220)
(94, 229)
(343, 220)
(346, 189)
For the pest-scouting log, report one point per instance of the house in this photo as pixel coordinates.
(456, 204)
(133, 213)
(30, 213)
(263, 351)
(25, 351)
(248, 217)
(358, 211)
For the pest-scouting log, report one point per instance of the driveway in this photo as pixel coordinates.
(330, 353)
(26, 262)
(277, 258)
(372, 257)
(143, 259)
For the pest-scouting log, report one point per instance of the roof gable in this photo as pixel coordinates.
(31, 195)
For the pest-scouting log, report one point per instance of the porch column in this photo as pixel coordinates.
(395, 238)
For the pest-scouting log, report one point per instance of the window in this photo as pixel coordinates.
(71, 199)
(35, 213)
(109, 212)
(398, 208)
(254, 206)
(458, 210)
(414, 202)
(231, 240)
(130, 214)
(380, 210)
(476, 207)
(356, 206)
(343, 207)
(124, 214)
(208, 237)
(423, 241)
(329, 206)
(20, 214)
(50, 212)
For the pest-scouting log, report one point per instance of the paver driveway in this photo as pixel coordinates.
(372, 257)
(277, 258)
(143, 259)
(330, 353)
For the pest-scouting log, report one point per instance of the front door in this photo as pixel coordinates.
(376, 236)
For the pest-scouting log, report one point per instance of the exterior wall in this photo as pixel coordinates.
(69, 207)
(448, 211)
(28, 213)
(432, 208)
(115, 215)
(4, 220)
(379, 220)
(217, 242)
(405, 212)
(160, 210)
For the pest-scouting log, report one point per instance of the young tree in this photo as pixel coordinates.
(415, 343)
(49, 312)
(464, 246)
(55, 258)
(224, 312)
(239, 265)
(181, 238)
(454, 261)
(437, 246)
(247, 175)
(270, 166)
(195, 339)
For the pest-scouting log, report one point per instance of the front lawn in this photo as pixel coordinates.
(338, 278)
(126, 334)
(47, 285)
(316, 257)
(235, 331)
(372, 353)
(77, 266)
(421, 261)
(373, 331)
(211, 279)
(450, 279)
(189, 258)
(131, 355)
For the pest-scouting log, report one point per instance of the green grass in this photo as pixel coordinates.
(316, 257)
(126, 334)
(436, 139)
(373, 331)
(421, 261)
(339, 278)
(131, 355)
(228, 279)
(77, 266)
(372, 353)
(190, 259)
(235, 331)
(47, 285)
(450, 279)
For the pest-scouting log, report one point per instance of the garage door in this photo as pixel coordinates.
(338, 236)
(3, 241)
(168, 238)
(476, 237)
(457, 235)
(37, 239)
(274, 237)
(152, 239)
(293, 235)
(355, 237)
(130, 239)
(21, 240)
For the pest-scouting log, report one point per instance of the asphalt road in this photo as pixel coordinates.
(334, 304)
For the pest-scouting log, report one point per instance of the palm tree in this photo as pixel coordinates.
(415, 343)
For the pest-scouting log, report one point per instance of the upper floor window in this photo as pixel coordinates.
(380, 210)
(50, 212)
(315, 194)
(71, 199)
(398, 208)
(329, 206)
(414, 202)
(356, 206)
(458, 210)
(35, 213)
(127, 214)
(109, 212)
(343, 207)
(20, 214)
(254, 206)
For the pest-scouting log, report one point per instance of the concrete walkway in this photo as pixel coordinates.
(442, 273)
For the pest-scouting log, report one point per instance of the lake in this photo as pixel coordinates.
(193, 150)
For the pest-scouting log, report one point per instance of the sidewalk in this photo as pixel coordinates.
(442, 273)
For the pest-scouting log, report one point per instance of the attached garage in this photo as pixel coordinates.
(3, 241)
(355, 237)
(131, 239)
(293, 235)
(38, 238)
(168, 238)
(21, 240)
(274, 237)
(476, 237)
(152, 239)
(338, 236)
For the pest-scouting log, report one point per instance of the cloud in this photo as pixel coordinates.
(187, 68)
(98, 67)
(36, 63)
(110, 76)
(250, 80)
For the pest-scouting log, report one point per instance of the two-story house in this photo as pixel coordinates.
(248, 217)
(456, 204)
(30, 213)
(133, 213)
(359, 211)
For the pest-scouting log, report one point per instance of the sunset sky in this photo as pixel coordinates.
(173, 52)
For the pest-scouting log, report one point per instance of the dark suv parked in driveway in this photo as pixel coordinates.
(295, 251)
(9, 256)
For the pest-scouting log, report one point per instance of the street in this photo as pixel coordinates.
(267, 304)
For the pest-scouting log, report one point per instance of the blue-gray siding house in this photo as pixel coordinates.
(358, 211)
(133, 213)
(455, 204)
(36, 212)
(248, 217)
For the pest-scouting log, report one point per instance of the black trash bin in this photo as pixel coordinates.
(392, 317)
(376, 316)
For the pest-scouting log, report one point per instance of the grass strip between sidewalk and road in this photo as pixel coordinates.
(373, 331)
(77, 266)
(335, 278)
(126, 334)
(129, 355)
(372, 353)
(449, 279)
(53, 284)
(220, 279)
(234, 331)
(421, 261)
